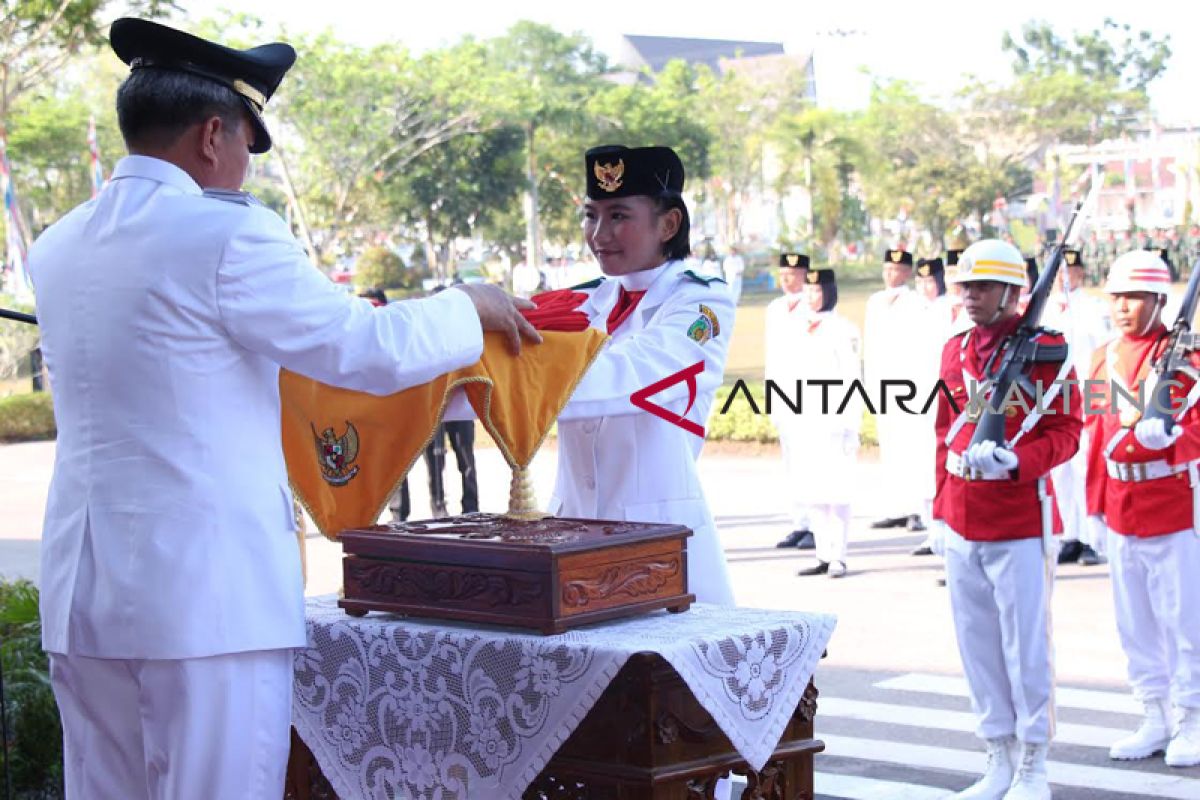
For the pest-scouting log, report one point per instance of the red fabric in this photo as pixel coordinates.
(626, 303)
(557, 311)
(792, 305)
(992, 511)
(1146, 508)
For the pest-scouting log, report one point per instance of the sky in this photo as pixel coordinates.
(931, 44)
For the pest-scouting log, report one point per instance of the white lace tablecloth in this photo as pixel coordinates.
(394, 707)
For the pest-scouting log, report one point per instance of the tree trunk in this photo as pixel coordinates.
(533, 244)
(289, 189)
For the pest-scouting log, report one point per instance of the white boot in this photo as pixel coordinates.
(1184, 749)
(997, 775)
(1030, 782)
(1151, 737)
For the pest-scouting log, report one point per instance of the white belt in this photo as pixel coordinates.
(1138, 471)
(955, 466)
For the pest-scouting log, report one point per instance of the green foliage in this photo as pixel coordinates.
(27, 417)
(739, 423)
(1114, 52)
(34, 746)
(379, 267)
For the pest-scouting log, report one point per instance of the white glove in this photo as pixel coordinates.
(1152, 434)
(937, 539)
(987, 457)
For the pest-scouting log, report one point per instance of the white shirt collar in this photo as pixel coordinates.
(641, 281)
(155, 169)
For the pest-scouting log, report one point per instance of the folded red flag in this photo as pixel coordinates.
(556, 311)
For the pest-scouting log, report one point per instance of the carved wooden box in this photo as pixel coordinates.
(547, 575)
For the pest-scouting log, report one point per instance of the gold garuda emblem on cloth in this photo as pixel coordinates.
(609, 176)
(336, 454)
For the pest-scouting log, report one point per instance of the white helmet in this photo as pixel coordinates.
(1138, 271)
(990, 260)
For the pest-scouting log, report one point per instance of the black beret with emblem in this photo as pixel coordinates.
(252, 74)
(898, 257)
(1073, 258)
(616, 171)
(952, 257)
(930, 267)
(797, 260)
(821, 277)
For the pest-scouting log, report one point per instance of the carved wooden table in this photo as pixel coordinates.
(646, 738)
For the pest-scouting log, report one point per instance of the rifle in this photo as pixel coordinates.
(1019, 352)
(19, 316)
(1173, 362)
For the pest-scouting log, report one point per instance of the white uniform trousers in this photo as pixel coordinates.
(792, 447)
(215, 728)
(1000, 597)
(831, 530)
(1156, 591)
(1070, 489)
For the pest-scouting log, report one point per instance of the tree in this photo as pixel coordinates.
(818, 149)
(358, 118)
(1112, 52)
(549, 78)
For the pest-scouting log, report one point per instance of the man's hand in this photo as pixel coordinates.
(1152, 434)
(499, 311)
(987, 457)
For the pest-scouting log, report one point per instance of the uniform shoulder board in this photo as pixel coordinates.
(592, 284)
(698, 279)
(240, 198)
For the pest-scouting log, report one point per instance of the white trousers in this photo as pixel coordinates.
(793, 450)
(831, 530)
(214, 728)
(1000, 596)
(1156, 591)
(1070, 488)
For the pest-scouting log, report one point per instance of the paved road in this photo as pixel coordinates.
(893, 710)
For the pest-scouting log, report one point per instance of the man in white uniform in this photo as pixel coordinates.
(891, 351)
(171, 584)
(1083, 320)
(787, 317)
(734, 267)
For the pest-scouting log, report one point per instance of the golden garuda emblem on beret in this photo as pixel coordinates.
(924, 270)
(608, 176)
(792, 259)
(896, 256)
(1072, 256)
(813, 277)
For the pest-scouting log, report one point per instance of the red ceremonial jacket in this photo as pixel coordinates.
(1144, 508)
(1002, 510)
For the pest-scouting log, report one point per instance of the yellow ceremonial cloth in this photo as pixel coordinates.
(347, 451)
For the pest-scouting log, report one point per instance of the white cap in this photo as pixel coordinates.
(1138, 271)
(990, 260)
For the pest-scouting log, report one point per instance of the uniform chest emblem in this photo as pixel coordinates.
(609, 177)
(336, 454)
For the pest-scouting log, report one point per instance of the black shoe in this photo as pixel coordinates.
(941, 581)
(1089, 557)
(792, 539)
(923, 550)
(915, 524)
(807, 541)
(1070, 552)
(820, 569)
(890, 522)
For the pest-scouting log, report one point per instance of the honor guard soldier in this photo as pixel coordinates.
(893, 316)
(615, 461)
(171, 590)
(821, 473)
(1143, 483)
(998, 509)
(786, 320)
(1083, 320)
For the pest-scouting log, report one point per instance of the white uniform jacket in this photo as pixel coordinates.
(165, 317)
(616, 461)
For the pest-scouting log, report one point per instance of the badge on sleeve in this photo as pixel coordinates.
(705, 327)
